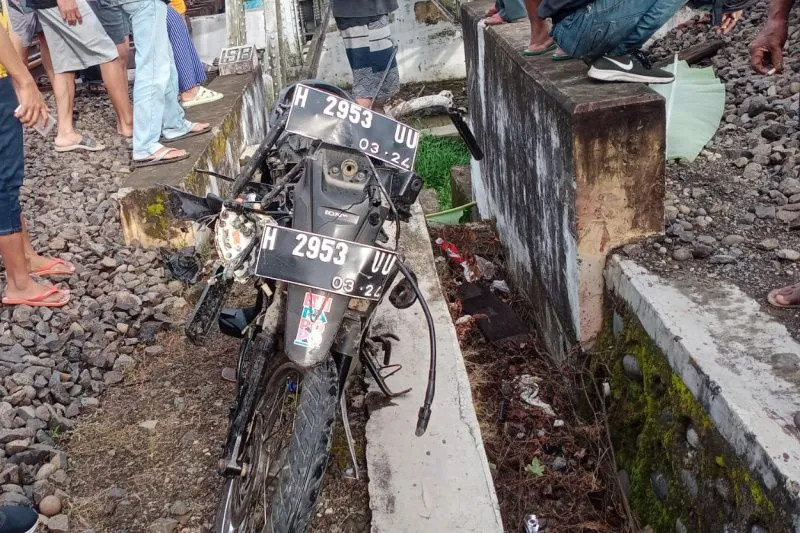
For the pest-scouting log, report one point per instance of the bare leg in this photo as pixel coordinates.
(540, 33)
(47, 61)
(64, 91)
(36, 261)
(22, 51)
(117, 87)
(19, 282)
(367, 102)
(190, 94)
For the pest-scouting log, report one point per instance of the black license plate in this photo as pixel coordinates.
(337, 121)
(325, 263)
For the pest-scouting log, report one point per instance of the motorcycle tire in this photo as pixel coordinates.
(299, 481)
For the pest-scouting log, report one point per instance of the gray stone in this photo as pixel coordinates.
(108, 263)
(797, 419)
(179, 508)
(123, 363)
(16, 446)
(789, 184)
(689, 482)
(788, 254)
(769, 244)
(58, 524)
(721, 259)
(682, 254)
(752, 171)
(558, 463)
(164, 525)
(632, 368)
(758, 529)
(50, 505)
(679, 527)
(692, 437)
(113, 377)
(741, 162)
(57, 388)
(765, 211)
(787, 216)
(701, 251)
(154, 350)
(660, 486)
(746, 219)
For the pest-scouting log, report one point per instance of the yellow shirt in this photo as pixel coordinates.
(179, 6)
(3, 27)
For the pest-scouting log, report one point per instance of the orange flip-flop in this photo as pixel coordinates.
(40, 299)
(48, 270)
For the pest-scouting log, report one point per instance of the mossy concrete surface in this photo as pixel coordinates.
(702, 428)
(238, 120)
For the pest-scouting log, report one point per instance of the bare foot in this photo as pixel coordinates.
(540, 46)
(35, 293)
(491, 11)
(49, 266)
(124, 131)
(786, 296)
(494, 20)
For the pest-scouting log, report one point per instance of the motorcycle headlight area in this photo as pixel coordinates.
(233, 236)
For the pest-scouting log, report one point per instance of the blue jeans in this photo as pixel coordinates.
(510, 9)
(612, 27)
(12, 167)
(155, 92)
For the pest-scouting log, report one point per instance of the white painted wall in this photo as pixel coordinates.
(426, 52)
(209, 34)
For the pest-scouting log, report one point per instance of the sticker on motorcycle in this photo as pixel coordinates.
(313, 320)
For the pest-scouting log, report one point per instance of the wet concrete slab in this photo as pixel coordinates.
(440, 481)
(742, 366)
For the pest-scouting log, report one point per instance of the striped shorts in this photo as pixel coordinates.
(369, 45)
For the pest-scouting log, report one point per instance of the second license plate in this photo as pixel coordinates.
(325, 263)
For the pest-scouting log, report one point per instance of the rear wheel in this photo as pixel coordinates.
(284, 453)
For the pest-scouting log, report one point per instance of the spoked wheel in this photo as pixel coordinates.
(284, 453)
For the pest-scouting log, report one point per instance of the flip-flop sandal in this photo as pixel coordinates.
(532, 53)
(204, 96)
(773, 302)
(86, 143)
(559, 57)
(48, 270)
(40, 299)
(186, 135)
(159, 159)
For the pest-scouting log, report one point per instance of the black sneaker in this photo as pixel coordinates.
(17, 519)
(631, 68)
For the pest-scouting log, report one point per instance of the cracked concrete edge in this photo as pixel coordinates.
(440, 481)
(731, 356)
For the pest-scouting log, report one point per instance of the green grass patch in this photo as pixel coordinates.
(435, 157)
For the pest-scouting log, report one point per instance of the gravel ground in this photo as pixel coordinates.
(55, 363)
(734, 213)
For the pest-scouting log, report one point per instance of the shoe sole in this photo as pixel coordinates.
(616, 75)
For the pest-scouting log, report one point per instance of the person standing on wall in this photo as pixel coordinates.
(364, 26)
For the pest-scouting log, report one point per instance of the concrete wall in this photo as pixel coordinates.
(430, 47)
(238, 121)
(572, 169)
(705, 391)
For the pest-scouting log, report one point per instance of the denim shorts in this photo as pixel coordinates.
(114, 20)
(13, 160)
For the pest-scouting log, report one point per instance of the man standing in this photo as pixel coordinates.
(364, 26)
(766, 56)
(156, 110)
(77, 41)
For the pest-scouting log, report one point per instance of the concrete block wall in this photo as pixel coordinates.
(572, 169)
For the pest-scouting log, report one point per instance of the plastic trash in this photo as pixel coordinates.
(527, 388)
(182, 265)
(452, 252)
(485, 267)
(531, 524)
(500, 285)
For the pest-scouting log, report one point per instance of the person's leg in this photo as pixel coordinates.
(47, 61)
(115, 79)
(64, 93)
(650, 22)
(153, 75)
(41, 264)
(513, 10)
(540, 33)
(370, 63)
(19, 284)
(590, 32)
(189, 68)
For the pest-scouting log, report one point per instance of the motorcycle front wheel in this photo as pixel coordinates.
(285, 452)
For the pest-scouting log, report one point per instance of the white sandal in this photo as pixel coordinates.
(203, 96)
